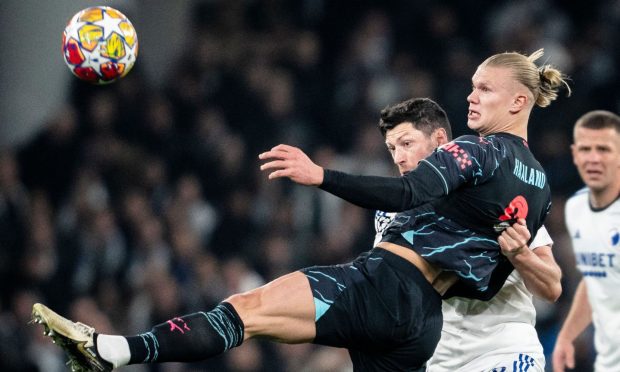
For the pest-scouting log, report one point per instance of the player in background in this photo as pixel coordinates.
(476, 335)
(593, 222)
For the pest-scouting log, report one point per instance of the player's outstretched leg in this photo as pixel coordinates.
(282, 310)
(187, 338)
(77, 339)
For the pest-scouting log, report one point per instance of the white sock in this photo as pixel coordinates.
(113, 349)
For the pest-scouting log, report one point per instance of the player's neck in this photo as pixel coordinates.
(519, 132)
(603, 198)
(517, 127)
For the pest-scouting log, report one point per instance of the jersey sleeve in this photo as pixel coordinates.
(467, 159)
(542, 238)
(393, 194)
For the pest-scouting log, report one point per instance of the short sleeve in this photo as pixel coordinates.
(542, 238)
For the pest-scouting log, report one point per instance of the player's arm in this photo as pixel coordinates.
(579, 317)
(385, 193)
(540, 272)
(393, 194)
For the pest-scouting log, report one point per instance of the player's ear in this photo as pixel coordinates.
(440, 136)
(518, 103)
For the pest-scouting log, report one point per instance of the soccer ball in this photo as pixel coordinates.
(100, 45)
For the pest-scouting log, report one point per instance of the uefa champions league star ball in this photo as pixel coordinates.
(100, 45)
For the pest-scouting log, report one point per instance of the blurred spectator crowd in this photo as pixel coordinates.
(138, 202)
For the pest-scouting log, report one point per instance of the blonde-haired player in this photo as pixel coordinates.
(476, 335)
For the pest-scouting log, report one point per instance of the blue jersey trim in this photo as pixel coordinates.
(445, 183)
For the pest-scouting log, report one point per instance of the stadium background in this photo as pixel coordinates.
(124, 205)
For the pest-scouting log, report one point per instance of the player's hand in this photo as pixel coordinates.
(513, 240)
(291, 162)
(563, 355)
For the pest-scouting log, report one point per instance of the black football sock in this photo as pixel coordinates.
(189, 338)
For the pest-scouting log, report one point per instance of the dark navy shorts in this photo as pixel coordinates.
(381, 308)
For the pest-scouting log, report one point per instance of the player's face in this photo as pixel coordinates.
(596, 153)
(408, 146)
(493, 92)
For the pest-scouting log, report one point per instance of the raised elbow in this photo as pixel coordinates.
(551, 292)
(554, 292)
(548, 292)
(556, 287)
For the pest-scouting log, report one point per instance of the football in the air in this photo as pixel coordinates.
(100, 45)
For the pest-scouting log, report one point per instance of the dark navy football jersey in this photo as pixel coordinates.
(456, 203)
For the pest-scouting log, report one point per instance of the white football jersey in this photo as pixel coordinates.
(480, 335)
(596, 242)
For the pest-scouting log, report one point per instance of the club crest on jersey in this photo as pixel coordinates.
(614, 237)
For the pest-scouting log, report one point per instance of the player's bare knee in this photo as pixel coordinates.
(247, 301)
(248, 305)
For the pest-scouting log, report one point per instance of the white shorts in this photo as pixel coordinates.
(517, 362)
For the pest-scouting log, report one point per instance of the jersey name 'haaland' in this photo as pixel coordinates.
(529, 175)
